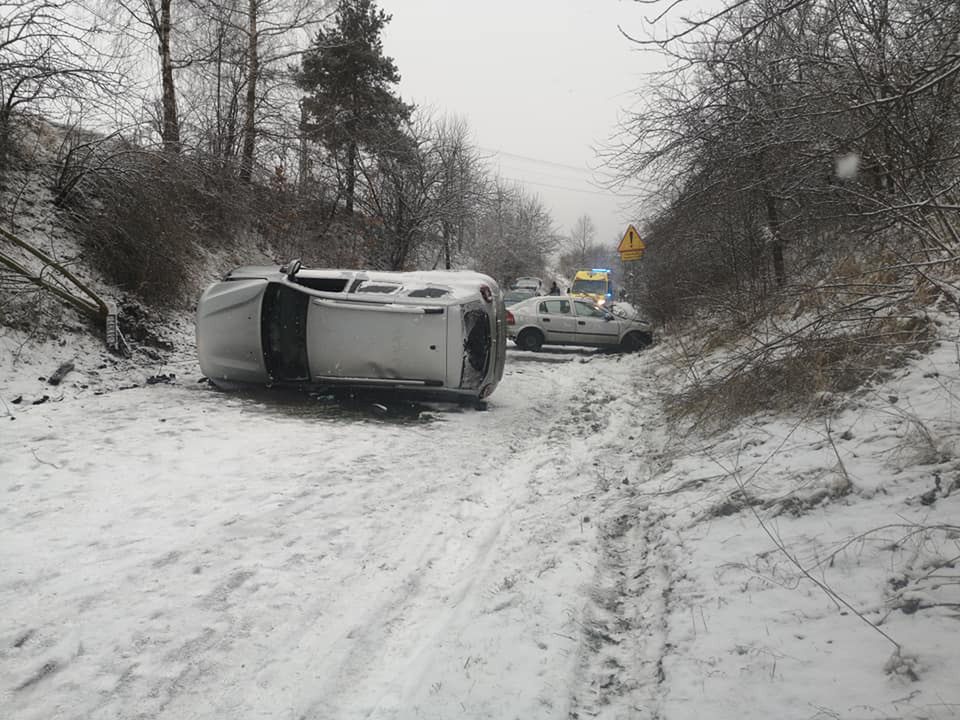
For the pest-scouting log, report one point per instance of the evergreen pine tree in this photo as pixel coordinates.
(350, 107)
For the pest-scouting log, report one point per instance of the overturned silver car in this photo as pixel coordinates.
(435, 332)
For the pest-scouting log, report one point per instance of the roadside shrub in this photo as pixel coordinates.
(810, 373)
(139, 223)
(147, 217)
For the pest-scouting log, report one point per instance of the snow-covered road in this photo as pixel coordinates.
(172, 551)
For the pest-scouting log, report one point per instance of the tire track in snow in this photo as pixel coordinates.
(624, 637)
(487, 637)
(369, 666)
(424, 571)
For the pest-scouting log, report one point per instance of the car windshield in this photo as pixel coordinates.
(588, 309)
(593, 287)
(515, 296)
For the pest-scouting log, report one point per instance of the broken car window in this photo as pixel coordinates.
(430, 292)
(377, 287)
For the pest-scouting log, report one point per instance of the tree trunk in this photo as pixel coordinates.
(351, 178)
(447, 232)
(171, 122)
(776, 241)
(303, 166)
(249, 121)
(217, 149)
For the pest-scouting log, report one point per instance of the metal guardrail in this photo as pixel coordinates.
(73, 292)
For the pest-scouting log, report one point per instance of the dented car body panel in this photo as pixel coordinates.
(431, 331)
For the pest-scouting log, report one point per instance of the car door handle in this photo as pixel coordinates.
(581, 322)
(545, 319)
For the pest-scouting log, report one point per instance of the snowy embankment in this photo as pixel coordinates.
(171, 551)
(811, 562)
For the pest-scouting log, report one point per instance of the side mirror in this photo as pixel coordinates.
(608, 316)
(291, 268)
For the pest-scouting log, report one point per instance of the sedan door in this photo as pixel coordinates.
(556, 320)
(595, 326)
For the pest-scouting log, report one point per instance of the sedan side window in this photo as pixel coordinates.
(555, 307)
(585, 309)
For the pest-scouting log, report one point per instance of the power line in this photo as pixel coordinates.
(564, 187)
(540, 161)
(544, 175)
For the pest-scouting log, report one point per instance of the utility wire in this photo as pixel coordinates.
(540, 161)
(571, 189)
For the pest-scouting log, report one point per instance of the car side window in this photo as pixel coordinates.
(585, 309)
(555, 307)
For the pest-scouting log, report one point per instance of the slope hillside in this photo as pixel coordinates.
(39, 333)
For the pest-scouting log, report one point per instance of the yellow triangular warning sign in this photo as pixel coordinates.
(631, 241)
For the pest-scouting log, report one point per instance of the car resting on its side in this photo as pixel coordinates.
(434, 332)
(569, 320)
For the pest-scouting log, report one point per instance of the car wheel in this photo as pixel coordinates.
(634, 341)
(530, 340)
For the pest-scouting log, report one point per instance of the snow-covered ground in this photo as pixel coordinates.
(168, 550)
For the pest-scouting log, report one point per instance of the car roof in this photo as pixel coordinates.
(546, 298)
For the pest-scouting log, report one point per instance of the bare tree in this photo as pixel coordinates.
(157, 18)
(214, 89)
(275, 31)
(744, 133)
(515, 233)
(582, 237)
(461, 188)
(47, 56)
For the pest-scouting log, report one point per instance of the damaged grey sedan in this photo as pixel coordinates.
(436, 332)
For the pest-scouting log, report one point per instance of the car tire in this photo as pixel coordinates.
(530, 340)
(635, 341)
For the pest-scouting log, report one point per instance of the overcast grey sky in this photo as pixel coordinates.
(541, 84)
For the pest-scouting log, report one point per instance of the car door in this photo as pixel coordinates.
(594, 325)
(556, 319)
(377, 341)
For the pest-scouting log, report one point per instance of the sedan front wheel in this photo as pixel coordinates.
(530, 340)
(634, 341)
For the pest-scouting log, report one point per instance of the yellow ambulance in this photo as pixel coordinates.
(594, 284)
